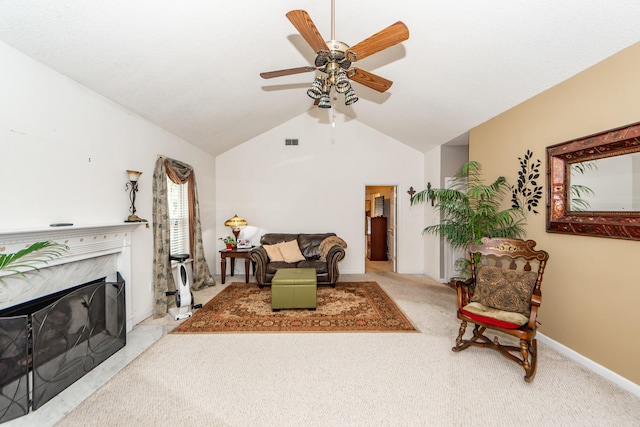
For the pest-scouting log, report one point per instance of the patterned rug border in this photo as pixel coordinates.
(225, 314)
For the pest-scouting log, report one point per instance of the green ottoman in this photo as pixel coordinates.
(293, 288)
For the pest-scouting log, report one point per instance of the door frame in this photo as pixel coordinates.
(392, 224)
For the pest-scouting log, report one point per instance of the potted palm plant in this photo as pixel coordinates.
(471, 209)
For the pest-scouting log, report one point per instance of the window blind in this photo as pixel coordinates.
(178, 216)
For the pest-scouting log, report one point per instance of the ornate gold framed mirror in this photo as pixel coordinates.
(593, 185)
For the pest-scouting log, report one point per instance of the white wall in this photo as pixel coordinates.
(319, 186)
(64, 153)
(431, 243)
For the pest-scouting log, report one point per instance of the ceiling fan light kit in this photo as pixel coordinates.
(325, 101)
(342, 82)
(350, 97)
(315, 91)
(334, 59)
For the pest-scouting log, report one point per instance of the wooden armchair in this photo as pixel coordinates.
(503, 294)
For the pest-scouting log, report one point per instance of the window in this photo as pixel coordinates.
(178, 216)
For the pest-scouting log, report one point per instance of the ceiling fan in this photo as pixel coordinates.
(334, 59)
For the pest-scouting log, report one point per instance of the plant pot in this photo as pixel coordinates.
(229, 246)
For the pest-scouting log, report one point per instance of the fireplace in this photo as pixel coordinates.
(59, 322)
(49, 343)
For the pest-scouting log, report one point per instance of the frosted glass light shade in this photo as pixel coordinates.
(133, 175)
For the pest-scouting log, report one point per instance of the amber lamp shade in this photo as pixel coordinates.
(236, 223)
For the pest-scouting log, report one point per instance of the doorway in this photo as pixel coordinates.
(380, 228)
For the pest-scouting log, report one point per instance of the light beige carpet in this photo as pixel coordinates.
(352, 379)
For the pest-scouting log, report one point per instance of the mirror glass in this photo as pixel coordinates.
(606, 185)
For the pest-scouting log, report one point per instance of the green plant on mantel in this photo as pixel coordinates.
(471, 209)
(26, 259)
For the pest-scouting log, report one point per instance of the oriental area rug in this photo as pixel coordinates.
(350, 306)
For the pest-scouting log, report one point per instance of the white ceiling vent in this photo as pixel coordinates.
(290, 142)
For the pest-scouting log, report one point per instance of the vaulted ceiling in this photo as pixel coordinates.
(192, 66)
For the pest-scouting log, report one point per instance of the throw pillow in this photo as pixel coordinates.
(273, 252)
(507, 290)
(291, 252)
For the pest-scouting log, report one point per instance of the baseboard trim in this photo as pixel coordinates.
(139, 318)
(606, 373)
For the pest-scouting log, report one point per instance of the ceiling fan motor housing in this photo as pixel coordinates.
(339, 54)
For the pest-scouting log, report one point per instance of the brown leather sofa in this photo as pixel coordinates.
(326, 271)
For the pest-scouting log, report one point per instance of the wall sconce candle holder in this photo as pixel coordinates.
(429, 193)
(132, 187)
(411, 192)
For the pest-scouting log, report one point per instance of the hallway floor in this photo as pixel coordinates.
(377, 266)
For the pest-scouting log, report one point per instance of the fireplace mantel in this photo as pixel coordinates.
(103, 247)
(84, 241)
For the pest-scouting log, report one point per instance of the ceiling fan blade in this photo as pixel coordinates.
(307, 29)
(369, 79)
(289, 71)
(390, 36)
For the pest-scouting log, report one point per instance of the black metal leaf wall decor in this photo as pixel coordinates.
(527, 193)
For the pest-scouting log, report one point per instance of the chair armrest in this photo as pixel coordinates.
(336, 253)
(468, 283)
(536, 300)
(465, 291)
(260, 258)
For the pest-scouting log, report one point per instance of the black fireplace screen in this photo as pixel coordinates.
(58, 343)
(14, 367)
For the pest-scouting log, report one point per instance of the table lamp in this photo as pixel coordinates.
(235, 222)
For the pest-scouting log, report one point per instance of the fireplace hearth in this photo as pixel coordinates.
(49, 343)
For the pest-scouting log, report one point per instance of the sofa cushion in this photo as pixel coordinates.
(309, 244)
(320, 266)
(507, 290)
(275, 238)
(272, 267)
(273, 252)
(290, 251)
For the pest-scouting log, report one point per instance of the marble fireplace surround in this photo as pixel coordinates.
(94, 251)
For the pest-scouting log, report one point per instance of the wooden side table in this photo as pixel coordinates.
(233, 254)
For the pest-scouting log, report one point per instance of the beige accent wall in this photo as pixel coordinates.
(591, 288)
